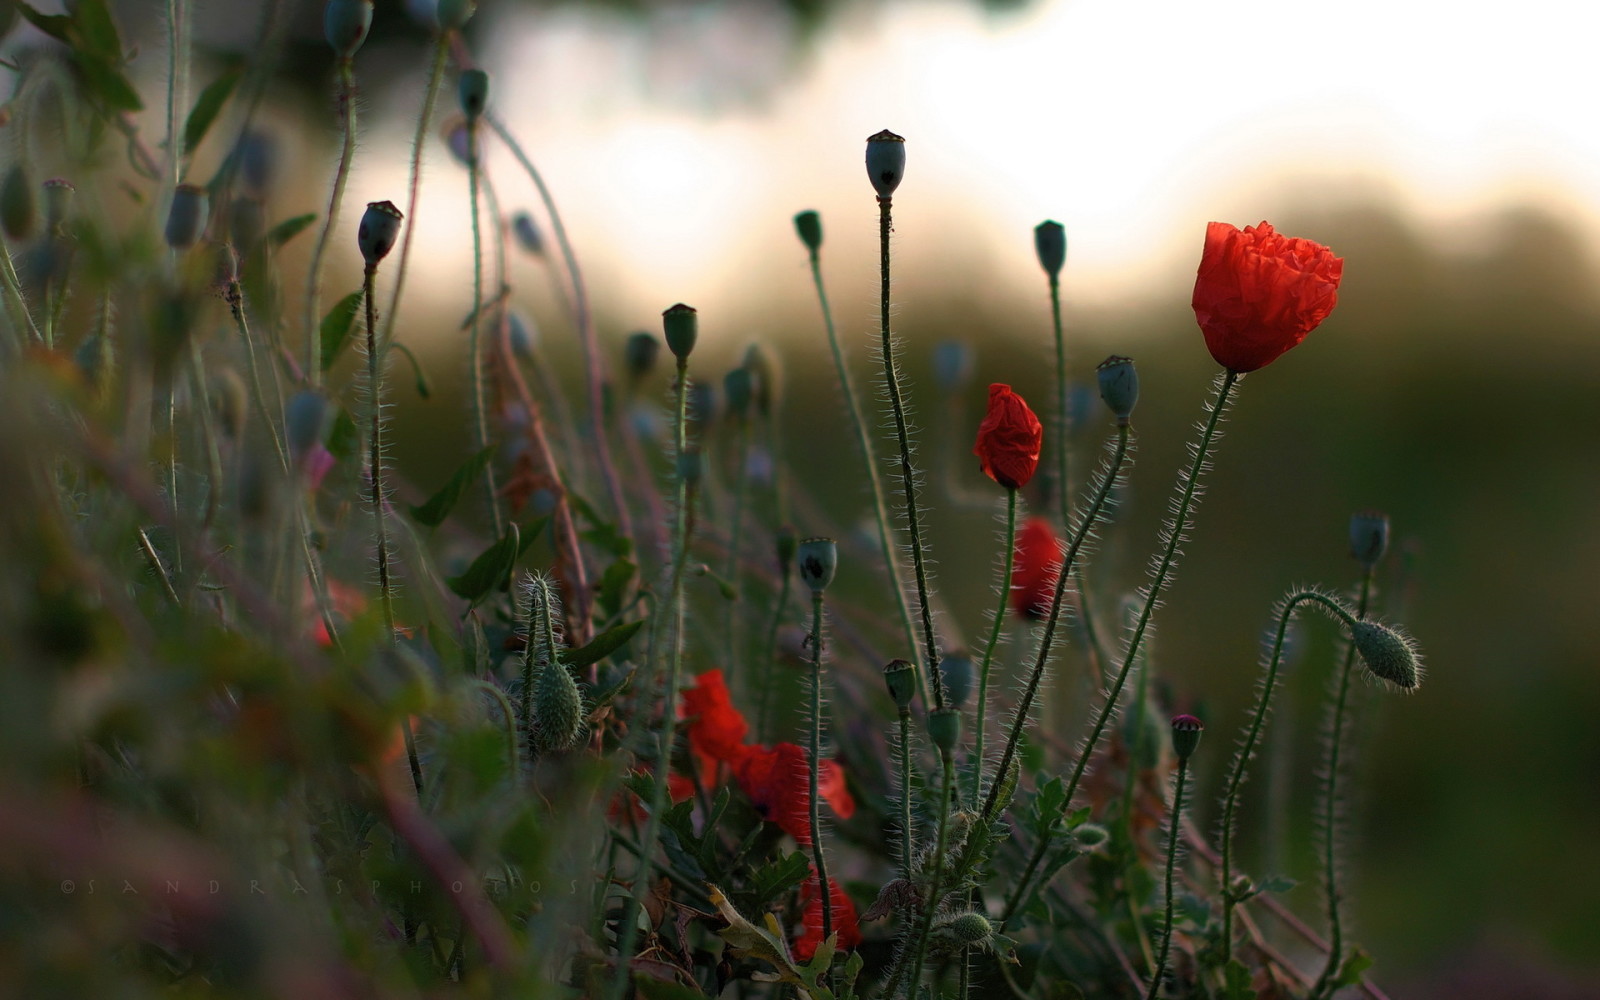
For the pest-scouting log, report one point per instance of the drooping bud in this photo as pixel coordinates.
(952, 365)
(788, 543)
(472, 90)
(452, 15)
(901, 678)
(1050, 243)
(19, 212)
(186, 218)
(557, 718)
(57, 202)
(1390, 654)
(379, 230)
(1119, 386)
(808, 225)
(527, 233)
(944, 729)
(819, 558)
(956, 668)
(345, 24)
(886, 162)
(682, 327)
(639, 352)
(1185, 735)
(1369, 537)
(739, 387)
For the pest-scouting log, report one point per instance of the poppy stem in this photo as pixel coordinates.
(907, 833)
(813, 756)
(1173, 833)
(741, 493)
(480, 420)
(919, 943)
(988, 650)
(347, 152)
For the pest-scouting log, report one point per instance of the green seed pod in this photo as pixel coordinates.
(958, 674)
(739, 386)
(1369, 537)
(1119, 386)
(639, 353)
(788, 543)
(1050, 243)
(306, 421)
(1185, 735)
(1090, 836)
(819, 559)
(345, 24)
(682, 327)
(944, 728)
(1391, 655)
(886, 162)
(452, 15)
(472, 90)
(57, 202)
(19, 211)
(901, 678)
(970, 928)
(808, 225)
(379, 230)
(557, 705)
(186, 218)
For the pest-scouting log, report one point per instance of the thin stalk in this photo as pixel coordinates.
(441, 50)
(160, 571)
(509, 715)
(480, 418)
(1136, 745)
(880, 505)
(1173, 532)
(908, 476)
(1063, 484)
(911, 970)
(177, 71)
(1172, 857)
(982, 710)
(1330, 814)
(21, 318)
(347, 152)
(375, 455)
(813, 764)
(903, 754)
(741, 493)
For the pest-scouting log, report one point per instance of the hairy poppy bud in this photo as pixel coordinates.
(1391, 655)
(819, 558)
(473, 92)
(345, 24)
(739, 386)
(1185, 735)
(1257, 293)
(788, 543)
(956, 669)
(557, 704)
(1050, 243)
(1090, 836)
(952, 365)
(57, 202)
(1119, 386)
(886, 162)
(1009, 439)
(527, 234)
(971, 928)
(901, 678)
(186, 218)
(682, 327)
(257, 156)
(1369, 537)
(808, 225)
(380, 228)
(944, 729)
(524, 333)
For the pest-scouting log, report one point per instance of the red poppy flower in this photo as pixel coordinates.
(1258, 293)
(777, 780)
(1035, 569)
(718, 729)
(1008, 439)
(845, 924)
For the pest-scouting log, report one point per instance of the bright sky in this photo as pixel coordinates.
(1131, 123)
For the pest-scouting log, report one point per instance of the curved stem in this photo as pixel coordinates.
(441, 48)
(375, 455)
(813, 763)
(1172, 857)
(911, 970)
(347, 150)
(480, 418)
(988, 649)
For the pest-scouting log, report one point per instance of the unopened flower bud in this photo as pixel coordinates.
(682, 327)
(306, 421)
(452, 15)
(788, 543)
(957, 671)
(952, 365)
(739, 386)
(901, 678)
(186, 218)
(639, 352)
(345, 24)
(257, 157)
(944, 729)
(379, 230)
(1369, 537)
(971, 928)
(458, 139)
(1050, 243)
(886, 162)
(819, 558)
(808, 225)
(1119, 386)
(57, 202)
(1089, 836)
(1391, 655)
(472, 90)
(527, 234)
(524, 334)
(1185, 735)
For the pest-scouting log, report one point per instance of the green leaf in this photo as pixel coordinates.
(1077, 818)
(289, 228)
(1354, 967)
(602, 645)
(105, 81)
(336, 327)
(96, 32)
(610, 685)
(344, 439)
(777, 878)
(603, 534)
(614, 584)
(1277, 883)
(206, 109)
(490, 571)
(438, 507)
(57, 26)
(1237, 985)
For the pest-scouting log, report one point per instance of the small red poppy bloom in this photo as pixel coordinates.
(777, 780)
(1009, 439)
(718, 729)
(1258, 293)
(1035, 569)
(845, 924)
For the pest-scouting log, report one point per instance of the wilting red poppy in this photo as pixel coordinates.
(1036, 566)
(845, 924)
(1258, 293)
(1008, 439)
(777, 781)
(718, 729)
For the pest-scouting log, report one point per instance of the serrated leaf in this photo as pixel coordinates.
(602, 645)
(289, 228)
(777, 878)
(490, 571)
(336, 327)
(206, 109)
(1354, 967)
(1237, 982)
(438, 507)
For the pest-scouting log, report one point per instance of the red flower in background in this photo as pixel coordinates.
(844, 918)
(1258, 293)
(1036, 567)
(1009, 439)
(777, 780)
(718, 729)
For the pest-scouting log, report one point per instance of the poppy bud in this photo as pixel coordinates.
(944, 728)
(808, 225)
(257, 157)
(739, 386)
(886, 162)
(901, 678)
(819, 558)
(306, 421)
(380, 228)
(1090, 836)
(957, 672)
(1050, 243)
(952, 365)
(452, 15)
(682, 327)
(1009, 439)
(1185, 735)
(1389, 654)
(473, 92)
(1369, 537)
(1119, 386)
(345, 24)
(557, 704)
(788, 543)
(186, 218)
(458, 139)
(639, 353)
(527, 233)
(971, 928)
(57, 202)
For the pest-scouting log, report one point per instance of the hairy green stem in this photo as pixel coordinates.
(741, 492)
(341, 175)
(813, 763)
(907, 834)
(995, 628)
(441, 50)
(1063, 484)
(911, 970)
(375, 455)
(1172, 858)
(480, 418)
